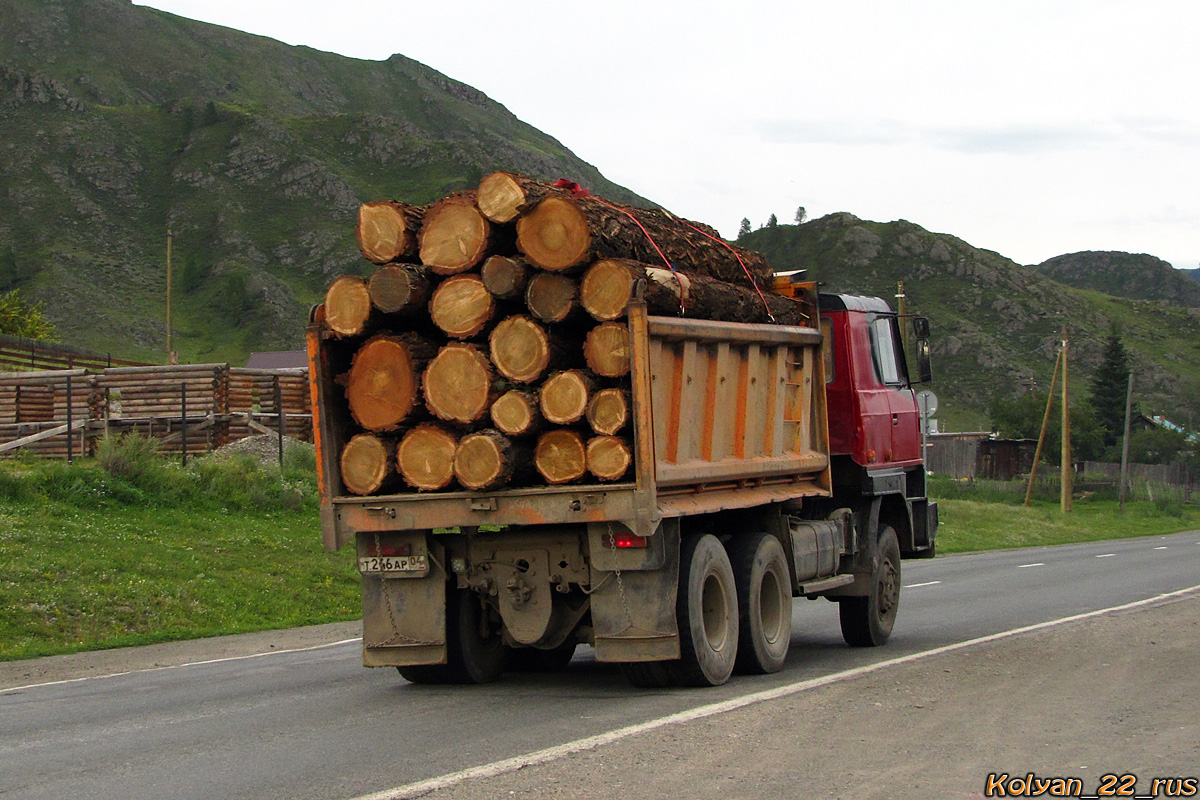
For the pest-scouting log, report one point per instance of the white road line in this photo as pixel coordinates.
(919, 585)
(180, 666)
(413, 790)
(1106, 555)
(1027, 566)
(1160, 548)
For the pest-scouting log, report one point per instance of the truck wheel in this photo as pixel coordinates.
(475, 649)
(867, 621)
(707, 613)
(764, 596)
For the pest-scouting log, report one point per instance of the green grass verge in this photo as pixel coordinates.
(130, 549)
(972, 519)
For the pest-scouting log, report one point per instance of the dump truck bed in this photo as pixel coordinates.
(725, 415)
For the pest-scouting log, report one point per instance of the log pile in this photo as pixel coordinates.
(488, 345)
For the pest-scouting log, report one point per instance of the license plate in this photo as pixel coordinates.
(393, 564)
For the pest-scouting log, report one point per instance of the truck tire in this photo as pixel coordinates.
(475, 650)
(707, 613)
(867, 621)
(764, 595)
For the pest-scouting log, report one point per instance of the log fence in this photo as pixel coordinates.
(189, 409)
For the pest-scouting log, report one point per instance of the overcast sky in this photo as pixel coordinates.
(1029, 128)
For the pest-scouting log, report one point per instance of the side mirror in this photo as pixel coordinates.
(920, 326)
(924, 367)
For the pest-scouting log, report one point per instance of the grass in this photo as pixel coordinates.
(993, 518)
(130, 548)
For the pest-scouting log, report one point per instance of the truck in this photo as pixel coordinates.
(770, 462)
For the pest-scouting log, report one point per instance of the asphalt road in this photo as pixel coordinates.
(314, 724)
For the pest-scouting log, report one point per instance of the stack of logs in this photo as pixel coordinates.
(489, 347)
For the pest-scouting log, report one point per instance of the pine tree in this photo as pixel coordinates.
(1109, 386)
(772, 221)
(801, 215)
(744, 230)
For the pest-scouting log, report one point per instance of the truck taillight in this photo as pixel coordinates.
(385, 548)
(627, 540)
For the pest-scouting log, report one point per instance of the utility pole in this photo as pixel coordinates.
(1068, 482)
(171, 358)
(1125, 444)
(901, 312)
(1037, 454)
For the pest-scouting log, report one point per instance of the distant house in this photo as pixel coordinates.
(278, 359)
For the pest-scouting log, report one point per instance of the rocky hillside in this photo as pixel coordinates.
(1136, 276)
(997, 324)
(121, 121)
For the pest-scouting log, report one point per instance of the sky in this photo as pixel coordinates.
(1029, 128)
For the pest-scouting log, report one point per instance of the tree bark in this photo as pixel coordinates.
(348, 306)
(505, 276)
(564, 397)
(609, 457)
(607, 349)
(487, 460)
(562, 233)
(516, 413)
(387, 230)
(381, 386)
(609, 411)
(454, 236)
(560, 456)
(503, 195)
(425, 457)
(458, 384)
(523, 350)
(461, 306)
(607, 288)
(552, 298)
(368, 464)
(399, 288)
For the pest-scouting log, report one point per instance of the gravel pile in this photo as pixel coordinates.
(264, 447)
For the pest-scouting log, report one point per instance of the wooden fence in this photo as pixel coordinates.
(19, 353)
(190, 408)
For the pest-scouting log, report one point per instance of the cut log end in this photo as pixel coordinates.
(458, 384)
(606, 289)
(516, 413)
(462, 306)
(500, 197)
(454, 236)
(552, 298)
(381, 387)
(347, 306)
(425, 457)
(555, 234)
(565, 395)
(607, 350)
(560, 456)
(386, 231)
(366, 463)
(609, 457)
(504, 276)
(609, 411)
(484, 460)
(396, 288)
(520, 348)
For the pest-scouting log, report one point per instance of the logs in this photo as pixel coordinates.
(387, 231)
(381, 387)
(458, 384)
(565, 233)
(503, 358)
(367, 463)
(454, 236)
(425, 457)
(399, 288)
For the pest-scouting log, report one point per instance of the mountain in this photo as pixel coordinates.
(119, 122)
(1191, 274)
(1136, 276)
(996, 324)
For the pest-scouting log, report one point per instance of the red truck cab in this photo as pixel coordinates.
(874, 422)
